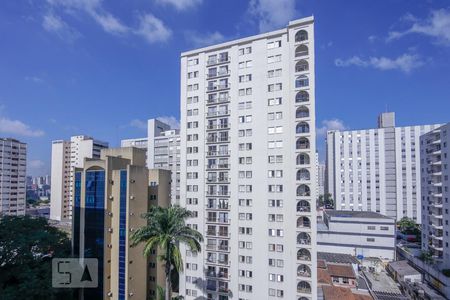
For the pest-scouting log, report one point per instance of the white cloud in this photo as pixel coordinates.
(437, 25)
(16, 127)
(34, 79)
(405, 63)
(372, 38)
(180, 4)
(327, 125)
(95, 10)
(171, 121)
(36, 164)
(201, 40)
(272, 14)
(53, 23)
(138, 124)
(153, 29)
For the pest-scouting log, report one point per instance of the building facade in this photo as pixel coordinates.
(358, 233)
(435, 169)
(163, 151)
(111, 194)
(13, 164)
(66, 156)
(377, 169)
(248, 166)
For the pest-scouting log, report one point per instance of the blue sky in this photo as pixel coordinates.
(102, 68)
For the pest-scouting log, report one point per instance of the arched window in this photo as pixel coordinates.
(302, 112)
(303, 175)
(303, 206)
(302, 127)
(303, 159)
(301, 36)
(301, 50)
(303, 222)
(303, 298)
(303, 238)
(303, 190)
(302, 96)
(301, 66)
(303, 271)
(302, 143)
(301, 81)
(304, 254)
(304, 287)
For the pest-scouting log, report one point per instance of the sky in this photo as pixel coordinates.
(102, 68)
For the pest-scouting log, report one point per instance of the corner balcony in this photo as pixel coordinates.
(217, 220)
(218, 113)
(216, 139)
(220, 248)
(218, 153)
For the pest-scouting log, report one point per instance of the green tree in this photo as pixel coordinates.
(26, 248)
(166, 229)
(407, 225)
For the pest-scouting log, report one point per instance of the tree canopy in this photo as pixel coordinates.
(26, 248)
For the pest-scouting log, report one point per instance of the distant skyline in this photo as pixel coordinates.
(102, 68)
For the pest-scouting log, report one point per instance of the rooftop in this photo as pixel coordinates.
(381, 282)
(403, 268)
(356, 214)
(244, 40)
(340, 270)
(341, 293)
(337, 258)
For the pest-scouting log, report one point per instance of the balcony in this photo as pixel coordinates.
(218, 206)
(217, 74)
(216, 88)
(218, 100)
(218, 180)
(218, 220)
(218, 126)
(217, 61)
(217, 166)
(221, 248)
(218, 113)
(218, 153)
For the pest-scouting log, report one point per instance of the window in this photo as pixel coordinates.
(274, 101)
(274, 58)
(192, 61)
(274, 73)
(245, 50)
(275, 87)
(371, 239)
(275, 44)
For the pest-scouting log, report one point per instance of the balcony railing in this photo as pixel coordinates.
(218, 126)
(218, 100)
(218, 220)
(217, 180)
(218, 206)
(218, 166)
(219, 60)
(217, 74)
(218, 113)
(212, 88)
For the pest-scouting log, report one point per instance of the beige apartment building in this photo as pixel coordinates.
(110, 196)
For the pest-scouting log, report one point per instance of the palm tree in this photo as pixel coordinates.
(166, 230)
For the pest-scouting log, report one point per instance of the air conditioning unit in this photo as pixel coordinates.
(110, 230)
(109, 246)
(132, 180)
(131, 229)
(131, 213)
(111, 197)
(131, 197)
(110, 214)
(109, 294)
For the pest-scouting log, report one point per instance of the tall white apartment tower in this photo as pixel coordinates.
(248, 166)
(66, 156)
(435, 170)
(13, 164)
(377, 169)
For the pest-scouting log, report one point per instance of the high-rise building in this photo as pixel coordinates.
(320, 179)
(66, 156)
(435, 169)
(248, 166)
(111, 194)
(163, 151)
(377, 169)
(13, 164)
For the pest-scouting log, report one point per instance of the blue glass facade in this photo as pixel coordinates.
(122, 233)
(76, 215)
(94, 226)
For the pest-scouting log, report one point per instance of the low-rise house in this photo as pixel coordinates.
(402, 271)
